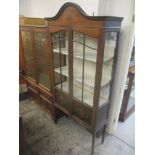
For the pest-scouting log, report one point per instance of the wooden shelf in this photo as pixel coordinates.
(90, 54)
(87, 95)
(64, 70)
(88, 80)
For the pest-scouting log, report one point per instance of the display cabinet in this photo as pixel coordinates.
(84, 53)
(128, 102)
(37, 61)
(25, 21)
(21, 61)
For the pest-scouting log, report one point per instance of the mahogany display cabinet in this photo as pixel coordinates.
(26, 21)
(84, 54)
(36, 60)
(70, 65)
(128, 102)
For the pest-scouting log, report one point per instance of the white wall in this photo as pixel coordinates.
(123, 8)
(49, 8)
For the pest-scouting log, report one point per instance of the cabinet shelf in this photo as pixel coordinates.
(88, 80)
(87, 95)
(90, 54)
(64, 70)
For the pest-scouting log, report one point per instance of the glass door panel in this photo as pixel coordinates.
(84, 67)
(60, 59)
(28, 54)
(108, 63)
(42, 58)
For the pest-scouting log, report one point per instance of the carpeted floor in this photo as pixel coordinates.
(43, 137)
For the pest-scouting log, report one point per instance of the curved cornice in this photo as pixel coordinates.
(82, 12)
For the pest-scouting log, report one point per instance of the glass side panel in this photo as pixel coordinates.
(108, 63)
(60, 59)
(84, 67)
(28, 54)
(42, 58)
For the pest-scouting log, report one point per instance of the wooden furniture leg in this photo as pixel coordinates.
(103, 135)
(93, 143)
(57, 114)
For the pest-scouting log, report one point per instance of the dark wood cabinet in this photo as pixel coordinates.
(37, 61)
(72, 59)
(84, 53)
(128, 102)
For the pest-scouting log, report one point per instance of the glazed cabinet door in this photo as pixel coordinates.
(60, 55)
(109, 43)
(21, 61)
(109, 59)
(85, 48)
(29, 60)
(42, 58)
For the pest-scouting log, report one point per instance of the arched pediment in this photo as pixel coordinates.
(71, 14)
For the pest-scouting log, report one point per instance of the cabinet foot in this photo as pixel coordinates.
(93, 143)
(103, 135)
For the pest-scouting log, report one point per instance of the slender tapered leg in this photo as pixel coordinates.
(103, 135)
(55, 116)
(93, 143)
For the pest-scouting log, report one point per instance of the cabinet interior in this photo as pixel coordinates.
(85, 50)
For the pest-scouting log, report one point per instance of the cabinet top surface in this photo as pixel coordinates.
(29, 21)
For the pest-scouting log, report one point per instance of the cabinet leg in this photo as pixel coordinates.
(55, 116)
(93, 143)
(103, 135)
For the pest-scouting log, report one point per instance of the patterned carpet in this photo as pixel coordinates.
(43, 137)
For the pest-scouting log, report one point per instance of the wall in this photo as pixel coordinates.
(49, 8)
(122, 8)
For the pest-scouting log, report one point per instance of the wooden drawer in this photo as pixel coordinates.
(82, 111)
(62, 99)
